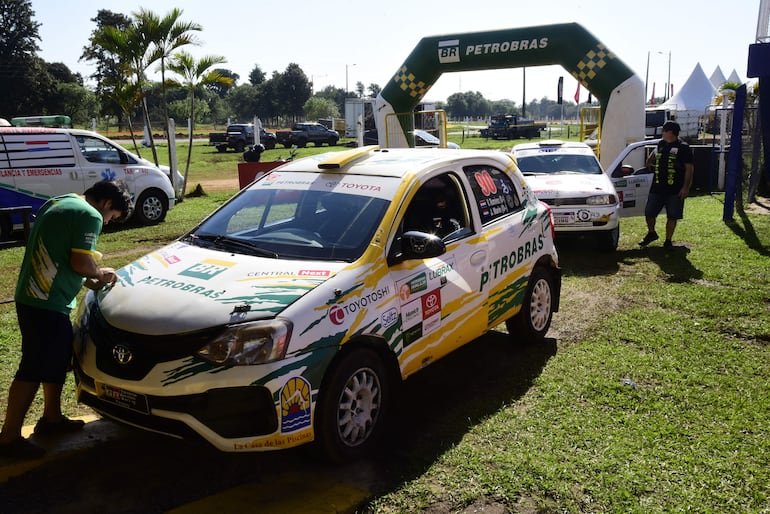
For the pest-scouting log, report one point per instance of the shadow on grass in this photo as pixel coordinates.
(748, 234)
(442, 402)
(576, 260)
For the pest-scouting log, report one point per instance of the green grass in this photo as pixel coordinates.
(556, 429)
(691, 331)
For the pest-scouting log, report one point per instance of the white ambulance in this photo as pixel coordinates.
(37, 163)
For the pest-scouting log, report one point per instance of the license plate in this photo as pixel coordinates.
(563, 219)
(126, 399)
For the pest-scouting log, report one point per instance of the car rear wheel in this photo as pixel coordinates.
(269, 144)
(221, 148)
(534, 319)
(151, 207)
(352, 405)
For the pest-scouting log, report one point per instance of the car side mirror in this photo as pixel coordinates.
(623, 170)
(417, 245)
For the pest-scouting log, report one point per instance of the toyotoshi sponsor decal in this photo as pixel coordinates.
(337, 313)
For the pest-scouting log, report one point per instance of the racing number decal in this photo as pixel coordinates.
(485, 182)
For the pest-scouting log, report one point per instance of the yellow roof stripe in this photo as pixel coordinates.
(340, 159)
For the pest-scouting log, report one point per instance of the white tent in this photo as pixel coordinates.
(697, 93)
(717, 78)
(734, 77)
(691, 101)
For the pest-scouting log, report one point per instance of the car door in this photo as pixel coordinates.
(440, 304)
(512, 239)
(632, 180)
(100, 160)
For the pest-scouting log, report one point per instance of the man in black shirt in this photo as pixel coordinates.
(672, 163)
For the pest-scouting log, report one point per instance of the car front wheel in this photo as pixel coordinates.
(534, 319)
(151, 207)
(352, 404)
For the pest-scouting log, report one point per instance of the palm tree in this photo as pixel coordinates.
(131, 47)
(194, 74)
(128, 95)
(165, 35)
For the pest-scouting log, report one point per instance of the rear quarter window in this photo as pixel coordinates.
(494, 192)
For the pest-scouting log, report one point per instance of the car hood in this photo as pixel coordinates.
(182, 288)
(562, 185)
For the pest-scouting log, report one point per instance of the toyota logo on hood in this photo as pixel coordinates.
(122, 354)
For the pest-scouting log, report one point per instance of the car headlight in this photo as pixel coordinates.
(602, 200)
(250, 343)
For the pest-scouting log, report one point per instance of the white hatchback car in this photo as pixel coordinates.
(568, 177)
(293, 312)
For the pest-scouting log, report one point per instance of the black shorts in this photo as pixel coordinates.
(657, 201)
(46, 345)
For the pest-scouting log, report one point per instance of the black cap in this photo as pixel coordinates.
(672, 126)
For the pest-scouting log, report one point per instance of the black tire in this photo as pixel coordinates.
(302, 142)
(286, 145)
(239, 146)
(352, 406)
(532, 322)
(269, 144)
(151, 207)
(607, 240)
(332, 141)
(221, 148)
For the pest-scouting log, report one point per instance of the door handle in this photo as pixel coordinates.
(478, 258)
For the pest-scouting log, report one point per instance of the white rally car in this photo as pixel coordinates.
(292, 313)
(568, 177)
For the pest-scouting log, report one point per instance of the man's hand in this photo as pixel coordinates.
(107, 277)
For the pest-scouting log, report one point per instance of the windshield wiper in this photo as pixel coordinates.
(227, 242)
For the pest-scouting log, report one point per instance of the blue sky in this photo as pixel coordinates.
(367, 42)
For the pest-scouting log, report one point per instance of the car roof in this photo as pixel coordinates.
(553, 146)
(392, 162)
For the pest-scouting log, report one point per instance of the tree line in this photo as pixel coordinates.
(126, 49)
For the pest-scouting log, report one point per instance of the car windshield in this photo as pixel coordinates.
(558, 163)
(423, 138)
(293, 223)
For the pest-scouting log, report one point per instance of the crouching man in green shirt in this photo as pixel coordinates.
(59, 259)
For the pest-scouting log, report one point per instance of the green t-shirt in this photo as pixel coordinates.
(64, 224)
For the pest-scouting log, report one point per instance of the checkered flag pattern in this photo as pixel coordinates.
(593, 61)
(407, 82)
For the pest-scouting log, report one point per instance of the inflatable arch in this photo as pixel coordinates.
(619, 90)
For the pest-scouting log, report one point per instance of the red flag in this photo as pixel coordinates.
(577, 94)
(652, 98)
